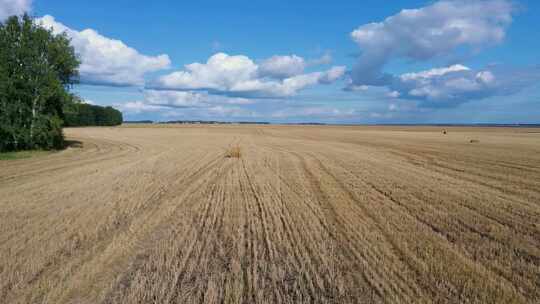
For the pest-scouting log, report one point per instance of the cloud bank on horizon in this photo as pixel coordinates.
(224, 84)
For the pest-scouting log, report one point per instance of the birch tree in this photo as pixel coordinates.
(37, 70)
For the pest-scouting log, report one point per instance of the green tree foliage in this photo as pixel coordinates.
(80, 114)
(37, 69)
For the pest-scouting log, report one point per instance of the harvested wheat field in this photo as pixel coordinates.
(274, 214)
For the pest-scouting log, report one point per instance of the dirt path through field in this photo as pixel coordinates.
(306, 214)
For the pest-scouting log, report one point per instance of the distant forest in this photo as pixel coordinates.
(82, 114)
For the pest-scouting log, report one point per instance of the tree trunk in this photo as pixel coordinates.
(34, 104)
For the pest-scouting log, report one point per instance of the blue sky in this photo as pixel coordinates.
(317, 61)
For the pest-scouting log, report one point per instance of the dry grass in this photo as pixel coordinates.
(309, 215)
(233, 152)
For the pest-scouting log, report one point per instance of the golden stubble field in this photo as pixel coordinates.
(274, 214)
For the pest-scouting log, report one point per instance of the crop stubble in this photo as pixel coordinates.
(304, 214)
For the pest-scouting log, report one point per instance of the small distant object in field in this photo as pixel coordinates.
(444, 132)
(233, 152)
(474, 141)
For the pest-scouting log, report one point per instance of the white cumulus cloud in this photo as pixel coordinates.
(282, 66)
(188, 99)
(137, 107)
(220, 73)
(240, 76)
(285, 66)
(436, 72)
(456, 84)
(14, 7)
(172, 102)
(106, 61)
(324, 59)
(444, 28)
(428, 32)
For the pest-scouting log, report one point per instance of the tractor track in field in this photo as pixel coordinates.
(302, 214)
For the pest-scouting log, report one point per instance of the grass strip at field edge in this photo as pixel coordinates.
(7, 156)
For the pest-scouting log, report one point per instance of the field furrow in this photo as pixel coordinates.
(297, 214)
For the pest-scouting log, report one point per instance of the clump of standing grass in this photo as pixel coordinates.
(233, 152)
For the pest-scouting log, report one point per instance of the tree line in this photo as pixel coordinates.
(37, 71)
(82, 114)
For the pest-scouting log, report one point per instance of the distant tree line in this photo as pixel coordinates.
(139, 122)
(37, 71)
(82, 114)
